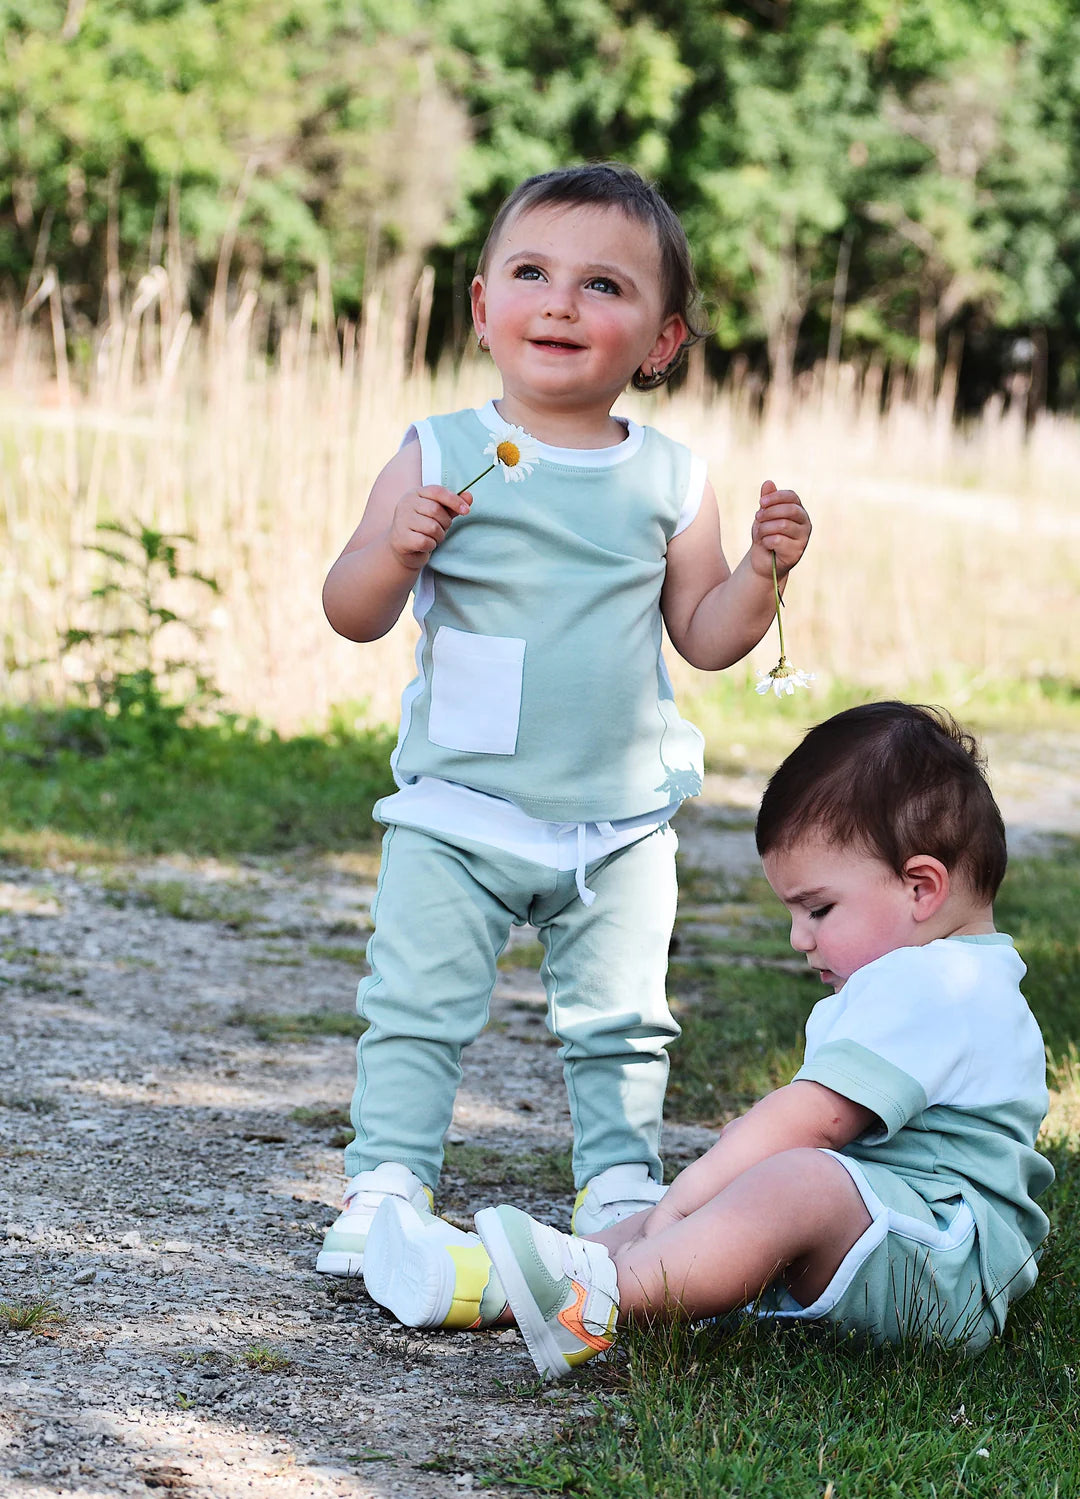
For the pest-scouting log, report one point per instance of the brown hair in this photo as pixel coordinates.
(609, 184)
(895, 779)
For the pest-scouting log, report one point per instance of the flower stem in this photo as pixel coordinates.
(488, 471)
(779, 606)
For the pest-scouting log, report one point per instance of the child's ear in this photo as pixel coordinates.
(928, 881)
(479, 305)
(668, 343)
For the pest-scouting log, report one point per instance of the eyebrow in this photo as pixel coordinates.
(806, 897)
(592, 268)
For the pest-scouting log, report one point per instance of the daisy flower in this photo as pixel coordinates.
(511, 450)
(784, 678)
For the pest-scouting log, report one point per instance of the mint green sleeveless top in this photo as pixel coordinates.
(540, 677)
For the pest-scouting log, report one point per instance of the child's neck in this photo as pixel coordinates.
(591, 428)
(963, 917)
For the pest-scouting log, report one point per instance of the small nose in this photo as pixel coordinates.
(802, 938)
(560, 302)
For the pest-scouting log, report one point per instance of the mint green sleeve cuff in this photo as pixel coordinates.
(861, 1075)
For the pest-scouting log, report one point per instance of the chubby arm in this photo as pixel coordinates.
(800, 1114)
(403, 523)
(716, 616)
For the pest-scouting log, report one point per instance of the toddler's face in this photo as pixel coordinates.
(571, 304)
(847, 907)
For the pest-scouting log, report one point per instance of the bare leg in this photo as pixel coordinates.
(796, 1213)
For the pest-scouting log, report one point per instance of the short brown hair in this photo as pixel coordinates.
(609, 184)
(895, 779)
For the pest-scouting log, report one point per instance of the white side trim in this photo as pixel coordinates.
(430, 453)
(695, 493)
(885, 1221)
(423, 598)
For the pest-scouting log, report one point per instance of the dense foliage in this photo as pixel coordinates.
(867, 179)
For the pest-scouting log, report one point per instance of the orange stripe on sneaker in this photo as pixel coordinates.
(570, 1317)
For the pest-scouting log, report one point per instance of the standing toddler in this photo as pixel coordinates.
(541, 755)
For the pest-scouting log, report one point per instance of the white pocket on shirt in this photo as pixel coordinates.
(475, 691)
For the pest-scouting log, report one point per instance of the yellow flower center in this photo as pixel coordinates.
(508, 453)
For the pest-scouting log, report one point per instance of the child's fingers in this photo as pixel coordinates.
(792, 514)
(453, 504)
(776, 496)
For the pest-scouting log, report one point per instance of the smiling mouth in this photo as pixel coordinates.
(558, 344)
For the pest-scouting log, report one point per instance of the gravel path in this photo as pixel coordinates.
(168, 1166)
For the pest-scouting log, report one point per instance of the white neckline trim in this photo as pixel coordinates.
(574, 457)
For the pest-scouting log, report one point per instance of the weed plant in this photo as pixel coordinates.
(144, 760)
(33, 1314)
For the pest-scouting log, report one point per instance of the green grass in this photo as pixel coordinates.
(272, 1025)
(29, 1103)
(745, 732)
(332, 1117)
(181, 900)
(524, 955)
(337, 952)
(765, 1412)
(741, 1019)
(75, 778)
(483, 1166)
(1038, 906)
(266, 1360)
(35, 1314)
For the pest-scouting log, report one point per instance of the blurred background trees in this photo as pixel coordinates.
(887, 181)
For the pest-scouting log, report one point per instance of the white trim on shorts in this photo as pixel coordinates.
(884, 1221)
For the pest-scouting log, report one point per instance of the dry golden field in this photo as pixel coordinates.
(937, 550)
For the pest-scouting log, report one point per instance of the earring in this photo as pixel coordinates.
(481, 343)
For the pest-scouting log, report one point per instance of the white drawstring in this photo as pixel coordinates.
(606, 831)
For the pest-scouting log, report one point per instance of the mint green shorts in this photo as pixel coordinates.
(915, 1273)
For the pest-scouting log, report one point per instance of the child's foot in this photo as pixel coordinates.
(615, 1194)
(563, 1291)
(343, 1245)
(427, 1272)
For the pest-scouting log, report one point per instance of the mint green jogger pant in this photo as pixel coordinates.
(443, 913)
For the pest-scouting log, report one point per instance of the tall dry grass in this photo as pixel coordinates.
(936, 548)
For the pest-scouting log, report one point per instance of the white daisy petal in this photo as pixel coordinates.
(526, 448)
(783, 679)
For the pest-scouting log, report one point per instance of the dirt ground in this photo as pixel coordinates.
(159, 1186)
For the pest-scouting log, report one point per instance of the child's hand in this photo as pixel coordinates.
(781, 526)
(421, 520)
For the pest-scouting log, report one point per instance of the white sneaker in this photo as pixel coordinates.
(563, 1292)
(427, 1272)
(343, 1245)
(615, 1194)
